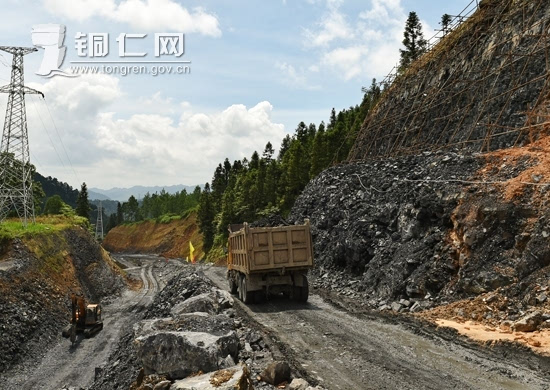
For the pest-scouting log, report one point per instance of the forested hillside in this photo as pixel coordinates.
(246, 190)
(52, 186)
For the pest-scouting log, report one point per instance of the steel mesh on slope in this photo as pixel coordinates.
(484, 86)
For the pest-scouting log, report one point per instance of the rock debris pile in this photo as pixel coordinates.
(192, 338)
(411, 233)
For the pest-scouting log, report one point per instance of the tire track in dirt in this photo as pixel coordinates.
(74, 365)
(341, 351)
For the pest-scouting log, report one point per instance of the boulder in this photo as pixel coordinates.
(179, 354)
(164, 385)
(276, 373)
(212, 302)
(416, 307)
(233, 378)
(529, 323)
(298, 384)
(396, 306)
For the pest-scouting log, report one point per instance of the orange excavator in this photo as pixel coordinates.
(86, 318)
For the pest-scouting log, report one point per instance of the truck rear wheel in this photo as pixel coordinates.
(240, 287)
(304, 290)
(245, 295)
(301, 293)
(233, 286)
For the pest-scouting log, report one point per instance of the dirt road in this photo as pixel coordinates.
(74, 366)
(341, 351)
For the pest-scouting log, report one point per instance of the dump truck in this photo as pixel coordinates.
(85, 318)
(262, 261)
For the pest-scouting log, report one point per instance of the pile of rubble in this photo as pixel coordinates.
(192, 338)
(413, 233)
(385, 222)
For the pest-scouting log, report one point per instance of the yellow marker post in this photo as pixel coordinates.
(191, 250)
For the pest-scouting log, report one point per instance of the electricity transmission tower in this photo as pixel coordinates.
(15, 164)
(99, 222)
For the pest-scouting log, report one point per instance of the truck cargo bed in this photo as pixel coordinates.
(265, 249)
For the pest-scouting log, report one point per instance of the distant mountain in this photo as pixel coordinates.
(122, 194)
(92, 195)
(109, 207)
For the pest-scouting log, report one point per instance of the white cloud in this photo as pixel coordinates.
(160, 141)
(82, 97)
(313, 68)
(362, 46)
(157, 146)
(62, 128)
(148, 15)
(190, 149)
(296, 79)
(333, 26)
(347, 61)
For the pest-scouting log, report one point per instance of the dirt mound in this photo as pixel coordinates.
(167, 239)
(44, 269)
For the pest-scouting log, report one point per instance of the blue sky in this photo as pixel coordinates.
(257, 69)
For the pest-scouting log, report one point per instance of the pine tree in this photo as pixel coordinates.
(332, 122)
(414, 42)
(270, 187)
(268, 152)
(285, 144)
(219, 183)
(446, 20)
(132, 208)
(119, 214)
(254, 161)
(82, 204)
(318, 152)
(205, 217)
(226, 170)
(301, 132)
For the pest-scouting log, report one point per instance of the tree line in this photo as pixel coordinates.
(265, 184)
(161, 206)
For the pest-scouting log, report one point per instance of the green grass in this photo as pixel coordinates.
(214, 254)
(13, 228)
(167, 218)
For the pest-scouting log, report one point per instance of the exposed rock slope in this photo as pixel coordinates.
(483, 86)
(39, 274)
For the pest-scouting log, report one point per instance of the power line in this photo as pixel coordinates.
(61, 140)
(3, 60)
(49, 137)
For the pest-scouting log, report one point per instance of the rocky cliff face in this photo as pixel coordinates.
(443, 225)
(484, 86)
